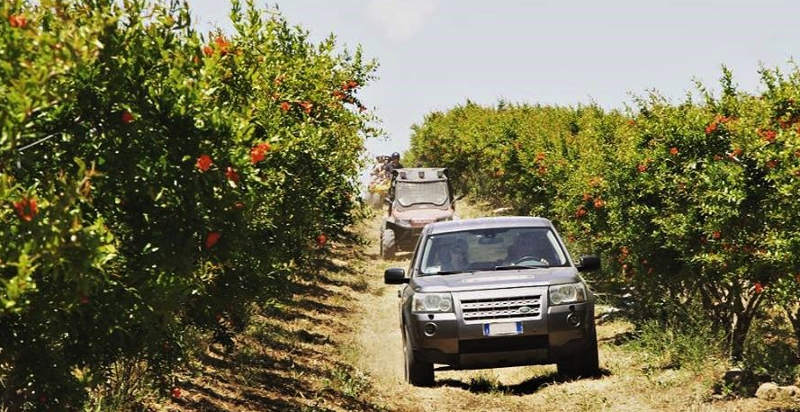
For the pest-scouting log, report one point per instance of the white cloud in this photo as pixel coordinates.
(401, 19)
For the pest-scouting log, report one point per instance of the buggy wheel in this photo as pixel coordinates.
(388, 244)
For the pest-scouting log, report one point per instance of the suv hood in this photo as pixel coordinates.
(497, 279)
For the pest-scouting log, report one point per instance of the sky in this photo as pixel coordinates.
(435, 54)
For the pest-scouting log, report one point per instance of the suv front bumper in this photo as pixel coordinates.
(547, 338)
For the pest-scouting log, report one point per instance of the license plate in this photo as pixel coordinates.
(499, 329)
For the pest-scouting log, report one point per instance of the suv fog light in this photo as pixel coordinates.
(429, 329)
(574, 320)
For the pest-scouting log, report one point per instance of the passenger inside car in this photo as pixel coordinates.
(449, 255)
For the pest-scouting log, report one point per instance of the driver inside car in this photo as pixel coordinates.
(535, 245)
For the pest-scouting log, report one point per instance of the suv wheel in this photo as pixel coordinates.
(416, 373)
(387, 243)
(584, 364)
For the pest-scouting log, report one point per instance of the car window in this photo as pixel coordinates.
(410, 193)
(486, 249)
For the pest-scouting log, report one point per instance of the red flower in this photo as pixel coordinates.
(631, 122)
(285, 106)
(599, 203)
(642, 167)
(758, 287)
(540, 156)
(717, 157)
(587, 197)
(126, 117)
(175, 392)
(772, 163)
(204, 162)
(222, 45)
(258, 152)
(231, 174)
(208, 51)
(351, 84)
(735, 153)
(212, 238)
(767, 135)
(238, 205)
(17, 21)
(338, 94)
(306, 106)
(26, 209)
(322, 240)
(581, 212)
(673, 151)
(711, 127)
(716, 234)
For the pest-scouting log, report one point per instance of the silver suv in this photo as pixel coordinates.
(495, 292)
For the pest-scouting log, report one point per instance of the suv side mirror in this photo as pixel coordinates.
(589, 263)
(394, 276)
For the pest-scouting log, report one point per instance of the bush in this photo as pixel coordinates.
(153, 180)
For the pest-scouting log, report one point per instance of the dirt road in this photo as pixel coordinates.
(628, 382)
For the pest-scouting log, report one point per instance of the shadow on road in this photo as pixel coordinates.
(526, 387)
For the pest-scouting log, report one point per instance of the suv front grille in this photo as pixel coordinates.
(502, 308)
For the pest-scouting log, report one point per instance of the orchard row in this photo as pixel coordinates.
(155, 182)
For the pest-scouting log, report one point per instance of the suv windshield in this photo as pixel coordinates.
(410, 193)
(491, 249)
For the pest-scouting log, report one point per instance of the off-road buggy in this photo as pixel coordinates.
(416, 197)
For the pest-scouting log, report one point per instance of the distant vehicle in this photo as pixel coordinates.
(495, 292)
(416, 197)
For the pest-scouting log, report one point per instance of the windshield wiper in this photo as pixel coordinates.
(448, 272)
(515, 267)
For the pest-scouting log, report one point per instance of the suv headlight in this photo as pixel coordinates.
(432, 302)
(569, 293)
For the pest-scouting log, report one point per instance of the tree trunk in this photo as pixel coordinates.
(743, 314)
(794, 317)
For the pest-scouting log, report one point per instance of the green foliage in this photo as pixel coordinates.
(689, 202)
(153, 180)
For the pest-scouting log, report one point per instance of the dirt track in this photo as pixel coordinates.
(628, 384)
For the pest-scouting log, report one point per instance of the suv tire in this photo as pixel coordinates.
(387, 243)
(584, 364)
(416, 373)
